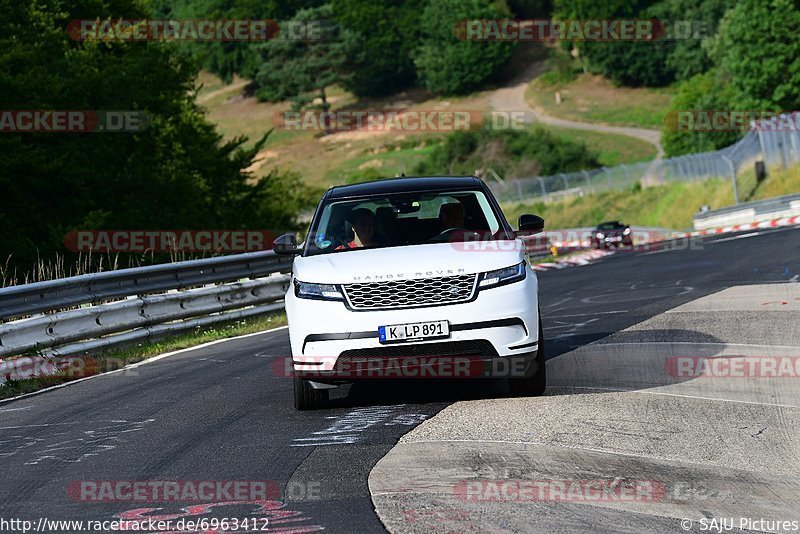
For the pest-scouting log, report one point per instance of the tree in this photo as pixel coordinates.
(178, 173)
(650, 63)
(703, 92)
(300, 70)
(228, 58)
(759, 47)
(447, 64)
(389, 31)
(509, 153)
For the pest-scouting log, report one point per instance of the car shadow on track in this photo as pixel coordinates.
(648, 359)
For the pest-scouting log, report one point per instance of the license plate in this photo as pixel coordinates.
(405, 332)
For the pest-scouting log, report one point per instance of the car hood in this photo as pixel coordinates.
(402, 263)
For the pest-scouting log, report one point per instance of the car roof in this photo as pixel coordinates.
(611, 223)
(404, 185)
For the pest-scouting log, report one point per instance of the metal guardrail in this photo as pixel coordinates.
(749, 212)
(155, 299)
(51, 295)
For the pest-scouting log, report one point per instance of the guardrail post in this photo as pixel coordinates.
(733, 179)
(784, 150)
(753, 125)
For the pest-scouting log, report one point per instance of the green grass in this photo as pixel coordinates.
(592, 98)
(341, 158)
(668, 206)
(387, 161)
(122, 356)
(612, 149)
(779, 182)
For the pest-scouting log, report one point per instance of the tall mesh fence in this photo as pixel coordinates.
(776, 142)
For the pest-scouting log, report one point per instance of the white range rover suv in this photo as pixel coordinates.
(410, 270)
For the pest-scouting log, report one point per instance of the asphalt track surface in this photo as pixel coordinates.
(221, 413)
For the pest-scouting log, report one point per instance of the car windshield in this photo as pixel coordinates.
(402, 219)
(610, 225)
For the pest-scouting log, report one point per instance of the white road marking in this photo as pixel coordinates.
(141, 363)
(16, 409)
(740, 236)
(575, 328)
(348, 427)
(584, 314)
(554, 304)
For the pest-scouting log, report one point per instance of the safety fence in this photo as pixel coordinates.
(775, 141)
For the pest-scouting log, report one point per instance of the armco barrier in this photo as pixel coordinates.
(749, 212)
(101, 310)
(53, 330)
(97, 287)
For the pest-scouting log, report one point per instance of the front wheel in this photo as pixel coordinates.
(308, 398)
(532, 386)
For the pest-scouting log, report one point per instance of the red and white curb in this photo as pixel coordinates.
(583, 258)
(774, 223)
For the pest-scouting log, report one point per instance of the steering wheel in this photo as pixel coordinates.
(445, 235)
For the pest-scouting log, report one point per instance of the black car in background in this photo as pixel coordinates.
(612, 234)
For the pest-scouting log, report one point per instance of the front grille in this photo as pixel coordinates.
(410, 293)
(470, 347)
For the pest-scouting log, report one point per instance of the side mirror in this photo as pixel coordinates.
(286, 244)
(531, 223)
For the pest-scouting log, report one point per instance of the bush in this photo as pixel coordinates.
(390, 32)
(449, 65)
(655, 63)
(758, 47)
(511, 154)
(709, 91)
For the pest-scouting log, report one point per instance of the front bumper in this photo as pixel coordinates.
(506, 316)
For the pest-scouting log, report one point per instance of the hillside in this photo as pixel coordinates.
(668, 206)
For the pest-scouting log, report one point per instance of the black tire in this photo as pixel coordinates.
(308, 398)
(535, 385)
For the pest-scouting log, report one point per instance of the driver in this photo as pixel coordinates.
(451, 216)
(364, 227)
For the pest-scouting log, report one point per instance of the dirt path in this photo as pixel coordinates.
(236, 86)
(512, 98)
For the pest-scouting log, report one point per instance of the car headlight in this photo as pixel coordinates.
(305, 290)
(627, 231)
(506, 275)
(600, 235)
